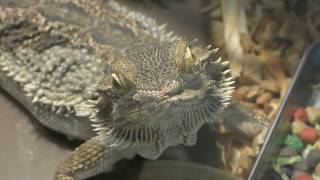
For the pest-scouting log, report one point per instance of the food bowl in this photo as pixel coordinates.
(300, 94)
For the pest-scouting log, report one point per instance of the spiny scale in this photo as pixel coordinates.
(54, 56)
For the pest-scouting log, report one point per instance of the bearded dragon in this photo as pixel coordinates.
(112, 77)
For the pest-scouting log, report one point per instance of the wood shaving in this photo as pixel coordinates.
(265, 40)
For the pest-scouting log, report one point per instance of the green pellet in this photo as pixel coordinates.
(294, 142)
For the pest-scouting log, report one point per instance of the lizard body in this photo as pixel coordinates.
(96, 71)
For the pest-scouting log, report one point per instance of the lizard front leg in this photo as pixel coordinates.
(243, 122)
(91, 158)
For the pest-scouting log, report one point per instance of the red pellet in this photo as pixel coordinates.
(301, 114)
(309, 135)
(304, 177)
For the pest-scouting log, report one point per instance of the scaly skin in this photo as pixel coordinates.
(96, 71)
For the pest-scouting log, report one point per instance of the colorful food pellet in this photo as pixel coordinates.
(288, 152)
(301, 114)
(317, 170)
(302, 165)
(304, 177)
(298, 173)
(313, 158)
(281, 161)
(313, 114)
(316, 145)
(294, 142)
(309, 135)
(297, 127)
(299, 158)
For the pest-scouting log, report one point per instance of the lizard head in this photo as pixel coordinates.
(168, 85)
